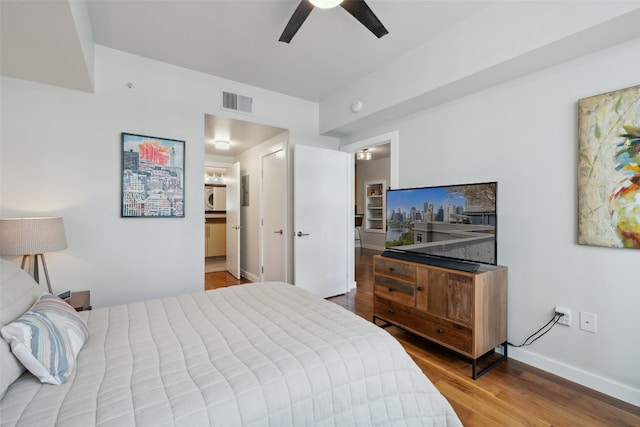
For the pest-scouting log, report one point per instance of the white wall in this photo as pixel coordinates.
(60, 154)
(491, 47)
(524, 135)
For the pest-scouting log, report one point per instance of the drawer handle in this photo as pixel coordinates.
(420, 288)
(440, 331)
(391, 269)
(390, 289)
(391, 311)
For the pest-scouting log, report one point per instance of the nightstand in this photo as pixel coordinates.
(80, 300)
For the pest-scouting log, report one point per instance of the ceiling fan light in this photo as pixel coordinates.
(222, 145)
(325, 4)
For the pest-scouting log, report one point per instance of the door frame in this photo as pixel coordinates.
(391, 138)
(211, 164)
(284, 147)
(235, 180)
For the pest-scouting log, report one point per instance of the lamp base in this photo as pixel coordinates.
(33, 268)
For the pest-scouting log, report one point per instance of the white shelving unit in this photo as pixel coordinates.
(375, 218)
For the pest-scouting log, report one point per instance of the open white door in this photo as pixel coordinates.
(274, 216)
(233, 220)
(322, 215)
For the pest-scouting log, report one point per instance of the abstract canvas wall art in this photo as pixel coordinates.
(609, 169)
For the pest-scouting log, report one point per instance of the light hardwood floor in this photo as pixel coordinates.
(221, 279)
(512, 394)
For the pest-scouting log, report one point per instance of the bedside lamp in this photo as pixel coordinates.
(32, 236)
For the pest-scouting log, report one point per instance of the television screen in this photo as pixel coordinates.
(453, 221)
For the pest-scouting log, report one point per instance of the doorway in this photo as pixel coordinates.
(371, 178)
(227, 143)
(215, 183)
(383, 151)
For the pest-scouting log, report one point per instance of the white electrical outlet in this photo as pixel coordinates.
(566, 319)
(588, 322)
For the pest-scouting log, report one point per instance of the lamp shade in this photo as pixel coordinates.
(29, 236)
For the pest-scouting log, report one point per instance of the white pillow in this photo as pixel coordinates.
(47, 339)
(18, 292)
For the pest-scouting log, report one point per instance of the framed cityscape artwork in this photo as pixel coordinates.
(152, 177)
(609, 169)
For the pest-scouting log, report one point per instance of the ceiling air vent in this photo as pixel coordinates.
(235, 102)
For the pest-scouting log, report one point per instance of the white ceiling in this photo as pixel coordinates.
(241, 135)
(233, 39)
(238, 40)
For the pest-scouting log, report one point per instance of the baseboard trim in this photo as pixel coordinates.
(249, 276)
(579, 376)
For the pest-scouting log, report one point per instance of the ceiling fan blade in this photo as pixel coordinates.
(359, 10)
(302, 11)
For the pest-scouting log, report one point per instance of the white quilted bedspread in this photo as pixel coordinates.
(266, 354)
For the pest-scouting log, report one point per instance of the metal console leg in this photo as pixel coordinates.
(477, 374)
(385, 324)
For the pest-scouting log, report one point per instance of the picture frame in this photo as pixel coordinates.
(609, 169)
(152, 177)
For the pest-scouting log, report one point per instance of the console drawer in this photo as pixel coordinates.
(395, 269)
(438, 330)
(394, 290)
(450, 335)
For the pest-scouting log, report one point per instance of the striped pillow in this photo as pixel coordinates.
(47, 339)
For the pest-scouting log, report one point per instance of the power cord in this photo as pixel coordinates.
(556, 317)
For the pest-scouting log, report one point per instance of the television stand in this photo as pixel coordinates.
(469, 267)
(465, 312)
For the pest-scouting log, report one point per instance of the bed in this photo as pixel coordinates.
(264, 354)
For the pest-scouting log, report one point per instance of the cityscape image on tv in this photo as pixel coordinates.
(457, 221)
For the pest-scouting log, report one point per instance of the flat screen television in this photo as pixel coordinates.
(457, 222)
